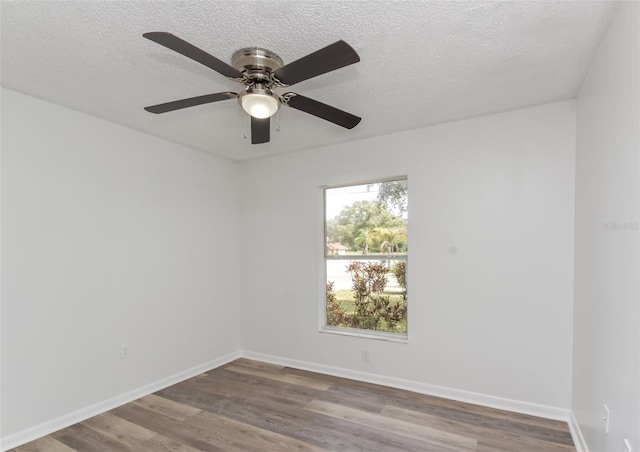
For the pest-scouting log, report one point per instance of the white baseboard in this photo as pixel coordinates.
(53, 425)
(517, 406)
(576, 434)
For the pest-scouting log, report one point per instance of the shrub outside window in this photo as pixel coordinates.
(366, 249)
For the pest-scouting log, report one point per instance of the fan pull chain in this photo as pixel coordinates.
(244, 123)
(278, 121)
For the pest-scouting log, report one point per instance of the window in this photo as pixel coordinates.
(366, 247)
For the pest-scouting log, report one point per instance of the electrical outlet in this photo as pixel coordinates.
(627, 446)
(606, 418)
(124, 351)
(365, 356)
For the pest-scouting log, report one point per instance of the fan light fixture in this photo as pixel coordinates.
(260, 71)
(259, 103)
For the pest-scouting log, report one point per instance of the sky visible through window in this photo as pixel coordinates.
(339, 198)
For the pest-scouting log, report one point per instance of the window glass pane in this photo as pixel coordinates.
(366, 256)
(366, 219)
(367, 294)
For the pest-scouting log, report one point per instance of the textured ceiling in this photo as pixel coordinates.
(422, 62)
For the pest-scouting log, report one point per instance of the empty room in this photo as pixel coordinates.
(323, 225)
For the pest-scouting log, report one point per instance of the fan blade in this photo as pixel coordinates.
(260, 129)
(330, 58)
(324, 111)
(190, 51)
(190, 102)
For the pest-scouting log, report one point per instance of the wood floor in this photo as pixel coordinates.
(252, 406)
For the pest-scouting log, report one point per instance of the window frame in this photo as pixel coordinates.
(325, 257)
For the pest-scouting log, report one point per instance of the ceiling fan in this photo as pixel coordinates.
(261, 71)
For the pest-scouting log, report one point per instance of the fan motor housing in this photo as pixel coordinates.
(256, 63)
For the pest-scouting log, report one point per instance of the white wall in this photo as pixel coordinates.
(607, 250)
(109, 236)
(495, 317)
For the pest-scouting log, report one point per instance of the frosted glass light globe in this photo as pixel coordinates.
(259, 105)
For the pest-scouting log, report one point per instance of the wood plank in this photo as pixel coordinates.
(359, 389)
(256, 364)
(161, 443)
(509, 422)
(228, 386)
(120, 430)
(44, 444)
(208, 431)
(495, 413)
(182, 432)
(241, 436)
(157, 404)
(447, 441)
(82, 438)
(489, 440)
(285, 378)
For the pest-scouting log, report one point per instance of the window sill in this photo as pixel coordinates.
(366, 334)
